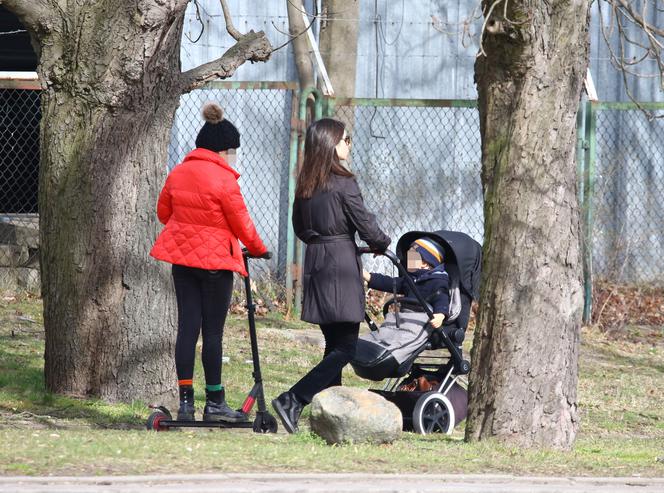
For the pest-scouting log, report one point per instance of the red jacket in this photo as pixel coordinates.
(205, 215)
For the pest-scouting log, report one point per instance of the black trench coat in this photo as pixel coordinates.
(332, 285)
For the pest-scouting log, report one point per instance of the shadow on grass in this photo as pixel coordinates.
(23, 392)
(612, 354)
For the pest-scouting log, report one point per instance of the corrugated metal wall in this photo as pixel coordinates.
(413, 49)
(406, 49)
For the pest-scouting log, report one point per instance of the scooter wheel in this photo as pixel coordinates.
(265, 423)
(155, 421)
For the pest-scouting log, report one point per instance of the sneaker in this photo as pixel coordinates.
(220, 411)
(288, 408)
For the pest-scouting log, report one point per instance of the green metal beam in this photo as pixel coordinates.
(588, 193)
(597, 105)
(294, 250)
(247, 85)
(435, 103)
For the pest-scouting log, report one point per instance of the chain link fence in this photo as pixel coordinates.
(627, 203)
(418, 163)
(19, 176)
(262, 113)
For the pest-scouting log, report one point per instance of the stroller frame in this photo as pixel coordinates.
(436, 410)
(445, 404)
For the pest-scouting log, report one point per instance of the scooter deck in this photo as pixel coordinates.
(173, 423)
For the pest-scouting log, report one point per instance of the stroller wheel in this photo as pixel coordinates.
(433, 413)
(155, 419)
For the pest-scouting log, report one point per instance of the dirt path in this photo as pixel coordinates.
(318, 483)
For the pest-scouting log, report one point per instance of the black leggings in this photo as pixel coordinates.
(340, 344)
(203, 298)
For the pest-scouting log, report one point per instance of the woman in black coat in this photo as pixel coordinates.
(327, 212)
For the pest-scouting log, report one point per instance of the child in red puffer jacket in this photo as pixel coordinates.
(205, 215)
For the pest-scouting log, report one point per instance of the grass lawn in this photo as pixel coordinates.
(620, 395)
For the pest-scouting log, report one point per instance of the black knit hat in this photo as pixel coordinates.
(217, 134)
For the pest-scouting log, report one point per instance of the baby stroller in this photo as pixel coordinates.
(426, 389)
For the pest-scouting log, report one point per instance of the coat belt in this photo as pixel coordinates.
(329, 239)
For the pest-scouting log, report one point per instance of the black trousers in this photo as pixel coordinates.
(340, 344)
(203, 298)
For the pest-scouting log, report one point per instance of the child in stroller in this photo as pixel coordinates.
(426, 268)
(426, 389)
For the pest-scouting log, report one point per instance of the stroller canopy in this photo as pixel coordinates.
(460, 250)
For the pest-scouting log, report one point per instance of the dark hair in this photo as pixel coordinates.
(320, 157)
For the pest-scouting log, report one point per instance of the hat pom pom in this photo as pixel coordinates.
(213, 113)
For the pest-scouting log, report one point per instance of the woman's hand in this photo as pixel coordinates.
(437, 320)
(366, 275)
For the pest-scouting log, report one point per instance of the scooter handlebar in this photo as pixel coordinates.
(267, 255)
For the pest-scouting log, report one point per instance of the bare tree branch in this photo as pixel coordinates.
(648, 42)
(627, 6)
(253, 46)
(229, 22)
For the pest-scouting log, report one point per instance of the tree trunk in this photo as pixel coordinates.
(108, 307)
(111, 80)
(338, 44)
(525, 352)
(296, 28)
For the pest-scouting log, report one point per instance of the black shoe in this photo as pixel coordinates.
(186, 411)
(216, 409)
(288, 408)
(219, 411)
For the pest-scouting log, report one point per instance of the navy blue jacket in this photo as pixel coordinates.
(428, 282)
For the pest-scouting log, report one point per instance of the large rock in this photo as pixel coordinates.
(345, 414)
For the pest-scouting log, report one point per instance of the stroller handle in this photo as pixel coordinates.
(267, 255)
(387, 253)
(403, 273)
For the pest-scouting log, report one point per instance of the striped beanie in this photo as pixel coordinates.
(429, 251)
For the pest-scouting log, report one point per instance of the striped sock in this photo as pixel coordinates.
(186, 388)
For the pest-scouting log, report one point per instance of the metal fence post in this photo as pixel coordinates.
(294, 250)
(580, 150)
(581, 145)
(588, 189)
(329, 106)
(291, 267)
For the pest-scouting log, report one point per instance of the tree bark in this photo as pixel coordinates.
(296, 26)
(523, 383)
(338, 44)
(111, 80)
